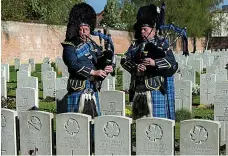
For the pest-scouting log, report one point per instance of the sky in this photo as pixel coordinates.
(98, 5)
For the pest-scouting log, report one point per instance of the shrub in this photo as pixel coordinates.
(183, 114)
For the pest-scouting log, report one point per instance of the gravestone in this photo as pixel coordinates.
(45, 68)
(112, 82)
(226, 122)
(21, 75)
(8, 132)
(65, 72)
(155, 136)
(35, 132)
(183, 92)
(199, 137)
(221, 75)
(7, 71)
(126, 79)
(73, 134)
(211, 69)
(222, 88)
(197, 65)
(26, 99)
(177, 76)
(3, 71)
(30, 82)
(46, 60)
(188, 73)
(61, 83)
(105, 85)
(112, 135)
(112, 103)
(17, 64)
(32, 64)
(220, 104)
(25, 67)
(207, 88)
(58, 60)
(3, 87)
(118, 65)
(49, 84)
(61, 100)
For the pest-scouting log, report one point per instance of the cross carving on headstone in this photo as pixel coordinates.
(182, 97)
(207, 93)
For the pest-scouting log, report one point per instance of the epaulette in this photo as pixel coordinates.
(68, 43)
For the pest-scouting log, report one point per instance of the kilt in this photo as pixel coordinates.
(164, 105)
(74, 98)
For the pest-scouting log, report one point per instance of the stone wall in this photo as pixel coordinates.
(29, 40)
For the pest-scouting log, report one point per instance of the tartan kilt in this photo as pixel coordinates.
(164, 105)
(74, 98)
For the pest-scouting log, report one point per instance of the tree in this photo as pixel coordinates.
(111, 17)
(41, 11)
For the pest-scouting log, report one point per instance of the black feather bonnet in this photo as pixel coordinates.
(80, 14)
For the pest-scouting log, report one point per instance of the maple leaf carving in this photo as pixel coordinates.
(154, 132)
(111, 129)
(198, 134)
(72, 126)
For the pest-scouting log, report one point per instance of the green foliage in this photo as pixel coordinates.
(41, 11)
(111, 16)
(183, 114)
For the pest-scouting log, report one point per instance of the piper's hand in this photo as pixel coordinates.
(100, 73)
(148, 62)
(108, 69)
(141, 68)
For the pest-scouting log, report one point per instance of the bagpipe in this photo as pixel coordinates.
(105, 55)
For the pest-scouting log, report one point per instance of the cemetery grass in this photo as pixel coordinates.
(50, 106)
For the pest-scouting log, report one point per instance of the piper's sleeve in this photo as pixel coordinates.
(72, 55)
(127, 62)
(166, 66)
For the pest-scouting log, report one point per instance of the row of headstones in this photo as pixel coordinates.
(211, 92)
(112, 135)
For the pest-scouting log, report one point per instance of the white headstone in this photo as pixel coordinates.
(112, 82)
(183, 93)
(105, 85)
(35, 133)
(126, 79)
(3, 87)
(61, 83)
(8, 132)
(221, 75)
(188, 73)
(26, 99)
(17, 64)
(211, 69)
(154, 136)
(21, 75)
(49, 84)
(7, 71)
(207, 88)
(112, 103)
(30, 82)
(46, 60)
(32, 64)
(25, 67)
(199, 137)
(112, 135)
(222, 88)
(73, 134)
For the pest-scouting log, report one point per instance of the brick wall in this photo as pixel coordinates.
(29, 40)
